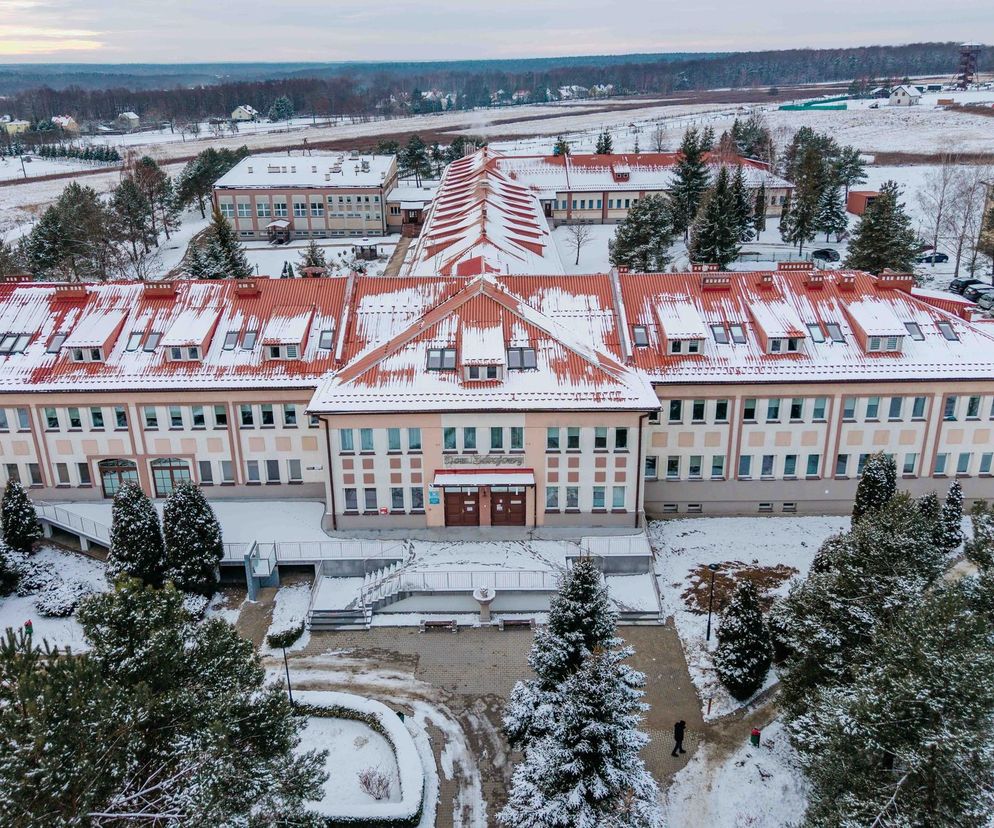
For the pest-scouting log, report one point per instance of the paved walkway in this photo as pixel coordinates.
(397, 258)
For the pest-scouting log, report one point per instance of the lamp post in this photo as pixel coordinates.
(286, 667)
(714, 568)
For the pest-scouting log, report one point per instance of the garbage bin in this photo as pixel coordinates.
(754, 737)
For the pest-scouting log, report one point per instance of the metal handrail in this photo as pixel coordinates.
(70, 520)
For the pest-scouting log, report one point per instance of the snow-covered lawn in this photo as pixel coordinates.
(35, 165)
(760, 787)
(269, 260)
(685, 547)
(59, 632)
(289, 612)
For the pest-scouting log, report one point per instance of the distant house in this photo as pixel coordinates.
(15, 127)
(859, 200)
(66, 123)
(905, 96)
(127, 121)
(244, 113)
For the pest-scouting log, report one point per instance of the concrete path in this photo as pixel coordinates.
(397, 258)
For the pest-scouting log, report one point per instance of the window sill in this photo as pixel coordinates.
(351, 512)
(253, 482)
(572, 511)
(598, 511)
(417, 511)
(71, 430)
(908, 476)
(812, 477)
(619, 511)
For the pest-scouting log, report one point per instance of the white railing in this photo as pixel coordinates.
(514, 580)
(337, 549)
(607, 545)
(236, 551)
(65, 519)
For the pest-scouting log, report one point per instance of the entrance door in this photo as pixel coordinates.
(462, 507)
(507, 506)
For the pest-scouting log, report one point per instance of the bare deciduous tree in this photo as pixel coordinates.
(934, 197)
(579, 235)
(965, 214)
(375, 783)
(659, 138)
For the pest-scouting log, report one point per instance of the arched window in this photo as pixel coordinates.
(168, 473)
(115, 473)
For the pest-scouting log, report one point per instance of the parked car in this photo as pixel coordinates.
(974, 292)
(986, 300)
(931, 258)
(826, 254)
(959, 285)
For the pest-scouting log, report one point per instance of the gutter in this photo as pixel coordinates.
(331, 476)
(640, 470)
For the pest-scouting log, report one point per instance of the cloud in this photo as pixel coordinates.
(41, 27)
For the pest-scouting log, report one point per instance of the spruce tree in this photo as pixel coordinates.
(759, 211)
(643, 239)
(742, 658)
(561, 147)
(313, 256)
(9, 572)
(18, 519)
(690, 182)
(605, 145)
(884, 237)
(952, 518)
(800, 222)
(876, 487)
(849, 168)
(980, 547)
(832, 218)
(714, 237)
(219, 255)
(193, 543)
(743, 206)
(136, 547)
(281, 110)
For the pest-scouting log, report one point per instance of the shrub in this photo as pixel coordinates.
(284, 638)
(375, 783)
(61, 597)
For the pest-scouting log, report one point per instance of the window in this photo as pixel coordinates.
(247, 417)
(151, 417)
(449, 438)
(268, 417)
(745, 465)
(396, 499)
(55, 343)
(552, 439)
(134, 341)
(3, 420)
(294, 471)
(985, 462)
(718, 467)
(848, 408)
(947, 331)
(818, 414)
(640, 336)
(841, 465)
(895, 408)
(151, 342)
(776, 346)
(950, 409)
(749, 410)
(197, 416)
(279, 209)
(168, 473)
(417, 499)
(253, 472)
(676, 411)
(940, 463)
(51, 419)
(34, 475)
(351, 501)
(914, 331)
(790, 465)
(617, 497)
(230, 340)
(872, 408)
(83, 470)
(737, 333)
(62, 474)
(963, 462)
(861, 464)
(227, 472)
(205, 470)
(393, 439)
(697, 412)
(814, 462)
(248, 340)
(469, 438)
(773, 411)
(720, 334)
(797, 409)
(695, 466)
(673, 467)
(918, 408)
(414, 439)
(517, 438)
(521, 359)
(815, 332)
(721, 411)
(572, 438)
(369, 500)
(598, 498)
(317, 209)
(572, 498)
(324, 340)
(299, 209)
(834, 332)
(910, 463)
(120, 417)
(366, 439)
(972, 409)
(551, 498)
(290, 415)
(650, 466)
(175, 416)
(244, 210)
(621, 439)
(13, 473)
(768, 463)
(600, 438)
(482, 372)
(441, 359)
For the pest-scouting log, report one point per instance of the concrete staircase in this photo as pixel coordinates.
(379, 588)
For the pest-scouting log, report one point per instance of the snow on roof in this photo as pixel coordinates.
(287, 325)
(93, 330)
(418, 196)
(483, 345)
(191, 326)
(680, 319)
(325, 171)
(911, 91)
(876, 317)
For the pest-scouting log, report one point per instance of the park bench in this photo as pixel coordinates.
(505, 623)
(449, 625)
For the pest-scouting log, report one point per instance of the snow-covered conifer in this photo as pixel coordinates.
(136, 547)
(742, 658)
(980, 548)
(690, 181)
(193, 542)
(18, 518)
(952, 518)
(876, 487)
(714, 236)
(643, 239)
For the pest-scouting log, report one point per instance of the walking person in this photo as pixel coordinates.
(678, 730)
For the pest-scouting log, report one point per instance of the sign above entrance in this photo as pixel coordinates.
(489, 460)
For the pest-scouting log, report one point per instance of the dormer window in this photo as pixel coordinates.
(685, 346)
(248, 340)
(785, 345)
(230, 341)
(947, 331)
(815, 332)
(521, 359)
(737, 333)
(284, 351)
(87, 355)
(325, 340)
(720, 334)
(640, 336)
(482, 372)
(883, 343)
(189, 353)
(441, 359)
(151, 342)
(914, 331)
(55, 343)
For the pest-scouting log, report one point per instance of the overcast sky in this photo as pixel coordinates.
(182, 31)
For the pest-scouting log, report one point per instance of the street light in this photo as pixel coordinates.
(286, 667)
(714, 568)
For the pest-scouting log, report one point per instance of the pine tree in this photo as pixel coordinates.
(281, 110)
(759, 210)
(690, 182)
(136, 547)
(193, 545)
(707, 138)
(832, 218)
(605, 145)
(743, 208)
(952, 518)
(313, 256)
(219, 255)
(134, 218)
(980, 548)
(884, 237)
(413, 159)
(800, 222)
(742, 658)
(643, 239)
(561, 147)
(876, 487)
(586, 771)
(714, 237)
(287, 272)
(18, 519)
(850, 168)
(9, 573)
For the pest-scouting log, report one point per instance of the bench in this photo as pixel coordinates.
(505, 623)
(449, 625)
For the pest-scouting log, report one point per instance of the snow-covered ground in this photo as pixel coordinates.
(684, 546)
(268, 260)
(760, 787)
(35, 165)
(289, 612)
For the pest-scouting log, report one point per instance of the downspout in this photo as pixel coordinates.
(331, 475)
(640, 470)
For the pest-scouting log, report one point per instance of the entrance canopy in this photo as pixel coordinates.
(488, 477)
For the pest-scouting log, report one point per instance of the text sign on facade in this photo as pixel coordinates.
(489, 460)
